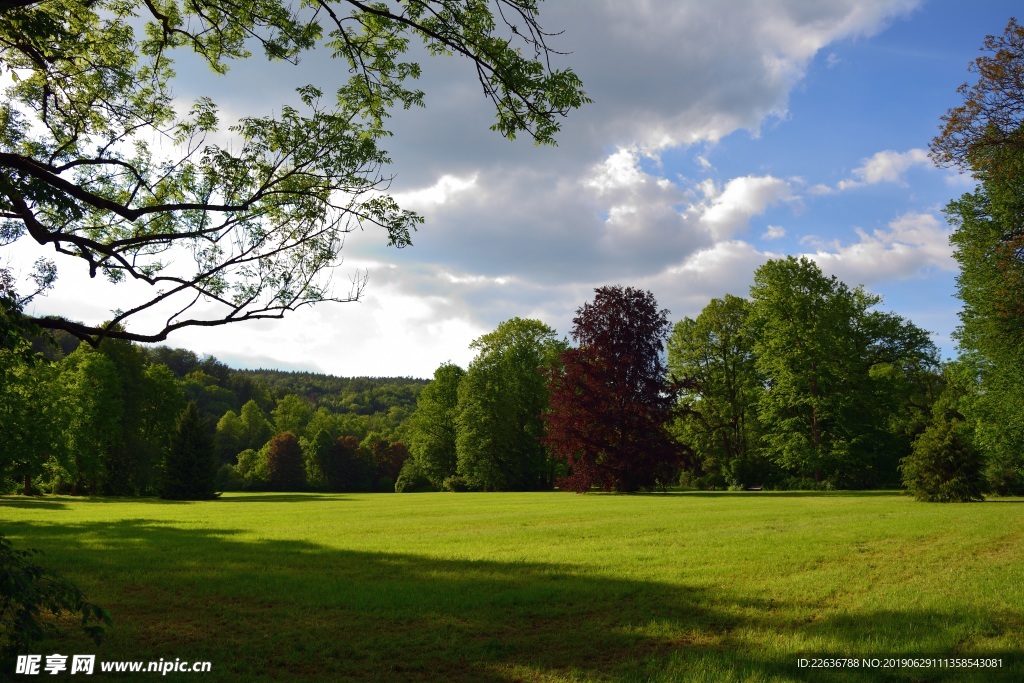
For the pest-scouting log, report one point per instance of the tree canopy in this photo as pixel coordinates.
(610, 401)
(100, 162)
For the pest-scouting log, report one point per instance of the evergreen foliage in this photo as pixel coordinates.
(190, 469)
(944, 466)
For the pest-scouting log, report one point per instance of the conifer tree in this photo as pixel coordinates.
(189, 471)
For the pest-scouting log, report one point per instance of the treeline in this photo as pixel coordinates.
(802, 385)
(108, 420)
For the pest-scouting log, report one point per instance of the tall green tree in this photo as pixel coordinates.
(230, 437)
(832, 368)
(945, 465)
(190, 468)
(985, 136)
(291, 414)
(720, 423)
(501, 402)
(257, 430)
(32, 417)
(432, 427)
(126, 465)
(92, 394)
(264, 215)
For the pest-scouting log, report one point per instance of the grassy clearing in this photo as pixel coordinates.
(539, 586)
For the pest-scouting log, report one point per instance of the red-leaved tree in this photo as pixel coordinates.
(610, 401)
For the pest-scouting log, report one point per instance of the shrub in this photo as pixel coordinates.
(944, 466)
(412, 479)
(228, 479)
(456, 484)
(27, 591)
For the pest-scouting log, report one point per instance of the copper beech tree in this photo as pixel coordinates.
(611, 400)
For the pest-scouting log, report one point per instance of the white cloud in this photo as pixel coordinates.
(885, 167)
(447, 187)
(774, 232)
(726, 212)
(914, 244)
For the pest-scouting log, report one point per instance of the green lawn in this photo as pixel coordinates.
(538, 586)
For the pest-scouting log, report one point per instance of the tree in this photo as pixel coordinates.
(432, 426)
(291, 414)
(830, 365)
(27, 592)
(163, 400)
(610, 401)
(945, 466)
(190, 468)
(501, 402)
(31, 415)
(257, 429)
(286, 470)
(387, 457)
(230, 437)
(985, 135)
(92, 395)
(346, 466)
(127, 471)
(720, 423)
(262, 218)
(993, 110)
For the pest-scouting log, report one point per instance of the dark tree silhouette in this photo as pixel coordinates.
(345, 466)
(285, 468)
(189, 471)
(610, 402)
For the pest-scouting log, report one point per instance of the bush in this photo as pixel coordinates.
(228, 479)
(26, 592)
(412, 479)
(944, 466)
(456, 484)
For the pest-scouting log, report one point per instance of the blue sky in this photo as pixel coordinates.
(721, 135)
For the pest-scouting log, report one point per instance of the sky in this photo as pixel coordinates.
(721, 134)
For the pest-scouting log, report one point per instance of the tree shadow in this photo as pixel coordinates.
(31, 503)
(270, 610)
(282, 497)
(794, 494)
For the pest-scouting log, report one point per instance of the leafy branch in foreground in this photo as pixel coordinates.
(30, 594)
(98, 162)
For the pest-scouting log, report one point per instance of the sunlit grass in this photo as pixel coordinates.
(542, 586)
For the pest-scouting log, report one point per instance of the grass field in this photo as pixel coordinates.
(539, 586)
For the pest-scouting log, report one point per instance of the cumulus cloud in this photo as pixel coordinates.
(728, 210)
(912, 245)
(887, 166)
(513, 229)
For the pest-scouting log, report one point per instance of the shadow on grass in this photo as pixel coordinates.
(31, 502)
(293, 610)
(796, 494)
(281, 497)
